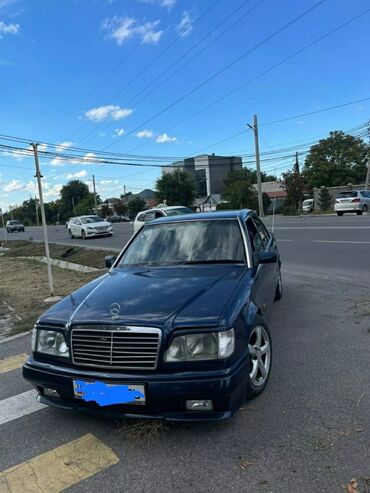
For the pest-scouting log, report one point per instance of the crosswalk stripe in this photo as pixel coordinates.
(19, 405)
(60, 468)
(12, 363)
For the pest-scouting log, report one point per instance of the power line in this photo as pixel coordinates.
(219, 72)
(164, 71)
(269, 69)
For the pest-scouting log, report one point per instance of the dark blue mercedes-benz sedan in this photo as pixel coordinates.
(177, 329)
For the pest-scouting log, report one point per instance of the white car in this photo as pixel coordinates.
(146, 216)
(357, 201)
(89, 226)
(307, 205)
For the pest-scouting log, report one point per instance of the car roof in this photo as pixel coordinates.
(232, 214)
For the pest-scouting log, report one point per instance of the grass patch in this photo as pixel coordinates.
(75, 254)
(24, 285)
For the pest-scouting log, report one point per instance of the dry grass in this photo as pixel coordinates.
(77, 255)
(143, 430)
(24, 285)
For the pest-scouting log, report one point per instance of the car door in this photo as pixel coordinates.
(261, 289)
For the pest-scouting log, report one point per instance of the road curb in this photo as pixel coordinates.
(63, 264)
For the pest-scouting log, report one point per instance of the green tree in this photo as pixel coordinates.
(335, 161)
(104, 211)
(239, 191)
(325, 200)
(136, 205)
(120, 208)
(266, 202)
(177, 188)
(294, 186)
(73, 192)
(85, 205)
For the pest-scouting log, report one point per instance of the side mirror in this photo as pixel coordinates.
(267, 257)
(109, 261)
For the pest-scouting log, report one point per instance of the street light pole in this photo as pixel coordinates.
(43, 219)
(95, 201)
(368, 158)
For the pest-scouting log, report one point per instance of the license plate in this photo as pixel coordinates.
(106, 394)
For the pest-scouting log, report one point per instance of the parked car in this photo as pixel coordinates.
(177, 329)
(308, 205)
(118, 219)
(14, 225)
(89, 226)
(357, 201)
(156, 213)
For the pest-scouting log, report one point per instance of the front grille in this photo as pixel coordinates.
(122, 347)
(101, 228)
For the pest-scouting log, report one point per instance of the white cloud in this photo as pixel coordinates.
(108, 112)
(90, 157)
(32, 187)
(8, 29)
(121, 29)
(185, 26)
(58, 161)
(42, 147)
(118, 132)
(63, 146)
(145, 134)
(13, 186)
(19, 155)
(52, 192)
(105, 182)
(161, 3)
(78, 174)
(163, 138)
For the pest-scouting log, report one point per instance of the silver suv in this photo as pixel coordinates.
(14, 225)
(151, 214)
(357, 201)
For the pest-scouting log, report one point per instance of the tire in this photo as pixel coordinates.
(340, 213)
(255, 381)
(279, 287)
(364, 208)
(359, 213)
(83, 234)
(70, 234)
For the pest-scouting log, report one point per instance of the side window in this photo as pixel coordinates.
(254, 236)
(158, 214)
(149, 216)
(265, 235)
(140, 217)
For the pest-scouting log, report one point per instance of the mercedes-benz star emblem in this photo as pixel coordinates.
(115, 309)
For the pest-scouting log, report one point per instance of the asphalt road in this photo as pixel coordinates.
(320, 242)
(309, 431)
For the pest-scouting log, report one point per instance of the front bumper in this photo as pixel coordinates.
(99, 233)
(165, 393)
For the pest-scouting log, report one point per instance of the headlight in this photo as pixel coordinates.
(204, 346)
(89, 227)
(51, 342)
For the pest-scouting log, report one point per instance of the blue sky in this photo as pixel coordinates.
(78, 72)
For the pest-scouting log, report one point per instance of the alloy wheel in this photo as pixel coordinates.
(260, 352)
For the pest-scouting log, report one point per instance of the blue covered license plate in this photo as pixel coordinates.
(106, 394)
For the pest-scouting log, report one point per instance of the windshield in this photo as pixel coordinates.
(92, 219)
(308, 202)
(15, 222)
(178, 211)
(210, 241)
(344, 195)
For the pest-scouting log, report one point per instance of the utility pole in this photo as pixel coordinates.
(37, 212)
(95, 202)
(368, 158)
(258, 164)
(73, 204)
(5, 232)
(43, 219)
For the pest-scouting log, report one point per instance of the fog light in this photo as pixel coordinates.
(50, 392)
(199, 405)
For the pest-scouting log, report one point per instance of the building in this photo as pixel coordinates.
(208, 171)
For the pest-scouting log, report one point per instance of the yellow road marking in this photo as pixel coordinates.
(60, 468)
(12, 363)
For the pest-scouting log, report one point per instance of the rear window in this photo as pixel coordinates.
(366, 194)
(347, 195)
(15, 222)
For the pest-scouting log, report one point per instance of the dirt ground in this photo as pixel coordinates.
(76, 255)
(24, 286)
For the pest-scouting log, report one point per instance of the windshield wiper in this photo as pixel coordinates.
(220, 261)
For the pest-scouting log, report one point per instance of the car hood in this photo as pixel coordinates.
(99, 224)
(160, 297)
